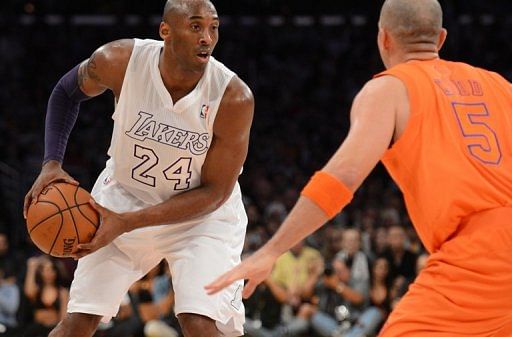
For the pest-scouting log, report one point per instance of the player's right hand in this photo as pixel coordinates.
(50, 172)
(255, 269)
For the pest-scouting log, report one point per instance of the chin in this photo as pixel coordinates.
(199, 67)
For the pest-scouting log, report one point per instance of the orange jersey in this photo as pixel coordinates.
(454, 157)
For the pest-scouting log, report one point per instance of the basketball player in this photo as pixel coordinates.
(444, 132)
(169, 189)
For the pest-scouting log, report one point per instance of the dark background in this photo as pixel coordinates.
(304, 71)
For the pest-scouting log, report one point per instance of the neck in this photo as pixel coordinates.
(418, 51)
(174, 76)
(421, 56)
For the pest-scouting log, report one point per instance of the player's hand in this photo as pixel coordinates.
(256, 269)
(50, 173)
(112, 225)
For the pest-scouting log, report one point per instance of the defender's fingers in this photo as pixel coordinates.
(249, 288)
(222, 282)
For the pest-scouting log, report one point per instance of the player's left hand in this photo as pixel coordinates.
(111, 226)
(256, 269)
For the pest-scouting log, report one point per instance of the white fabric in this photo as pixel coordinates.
(158, 147)
(197, 252)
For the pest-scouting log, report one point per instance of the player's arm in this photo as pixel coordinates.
(373, 117)
(103, 70)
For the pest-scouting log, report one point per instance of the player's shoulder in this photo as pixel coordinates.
(116, 51)
(238, 92)
(385, 85)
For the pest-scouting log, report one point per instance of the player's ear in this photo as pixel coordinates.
(442, 38)
(385, 38)
(164, 30)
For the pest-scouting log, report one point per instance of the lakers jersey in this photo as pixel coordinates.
(158, 146)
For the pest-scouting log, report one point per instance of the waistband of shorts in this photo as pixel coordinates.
(486, 219)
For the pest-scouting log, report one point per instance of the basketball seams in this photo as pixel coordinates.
(83, 214)
(58, 233)
(46, 202)
(69, 209)
(47, 229)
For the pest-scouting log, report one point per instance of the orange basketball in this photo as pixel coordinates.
(61, 219)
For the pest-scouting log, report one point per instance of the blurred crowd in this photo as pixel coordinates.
(342, 281)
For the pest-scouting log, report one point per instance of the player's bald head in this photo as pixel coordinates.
(184, 7)
(412, 21)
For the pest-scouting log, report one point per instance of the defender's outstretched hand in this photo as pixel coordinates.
(255, 269)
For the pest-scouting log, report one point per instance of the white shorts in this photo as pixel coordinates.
(197, 253)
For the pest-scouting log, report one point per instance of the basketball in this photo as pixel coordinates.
(61, 219)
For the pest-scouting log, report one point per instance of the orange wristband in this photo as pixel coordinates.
(327, 192)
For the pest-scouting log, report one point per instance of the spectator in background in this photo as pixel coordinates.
(373, 317)
(9, 301)
(379, 242)
(401, 260)
(292, 283)
(47, 295)
(146, 307)
(263, 310)
(341, 299)
(355, 258)
(421, 262)
(296, 272)
(331, 244)
(9, 259)
(148, 310)
(370, 319)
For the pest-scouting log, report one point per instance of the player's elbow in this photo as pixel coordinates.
(217, 197)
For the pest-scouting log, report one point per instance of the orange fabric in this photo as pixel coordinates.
(327, 192)
(465, 289)
(455, 155)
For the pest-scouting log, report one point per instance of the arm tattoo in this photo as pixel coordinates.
(91, 68)
(88, 71)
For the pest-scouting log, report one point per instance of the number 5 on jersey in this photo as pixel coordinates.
(479, 135)
(179, 171)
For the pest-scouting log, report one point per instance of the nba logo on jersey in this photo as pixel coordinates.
(204, 111)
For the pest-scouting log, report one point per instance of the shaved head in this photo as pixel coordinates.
(183, 6)
(412, 21)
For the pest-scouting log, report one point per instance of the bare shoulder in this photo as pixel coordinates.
(384, 94)
(386, 99)
(237, 93)
(236, 111)
(384, 85)
(106, 66)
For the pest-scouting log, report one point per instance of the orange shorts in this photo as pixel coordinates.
(466, 286)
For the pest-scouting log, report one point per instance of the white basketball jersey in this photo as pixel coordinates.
(158, 147)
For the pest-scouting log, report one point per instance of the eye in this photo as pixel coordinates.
(215, 27)
(195, 27)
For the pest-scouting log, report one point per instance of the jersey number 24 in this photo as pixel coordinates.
(179, 172)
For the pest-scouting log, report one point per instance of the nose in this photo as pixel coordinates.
(206, 38)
